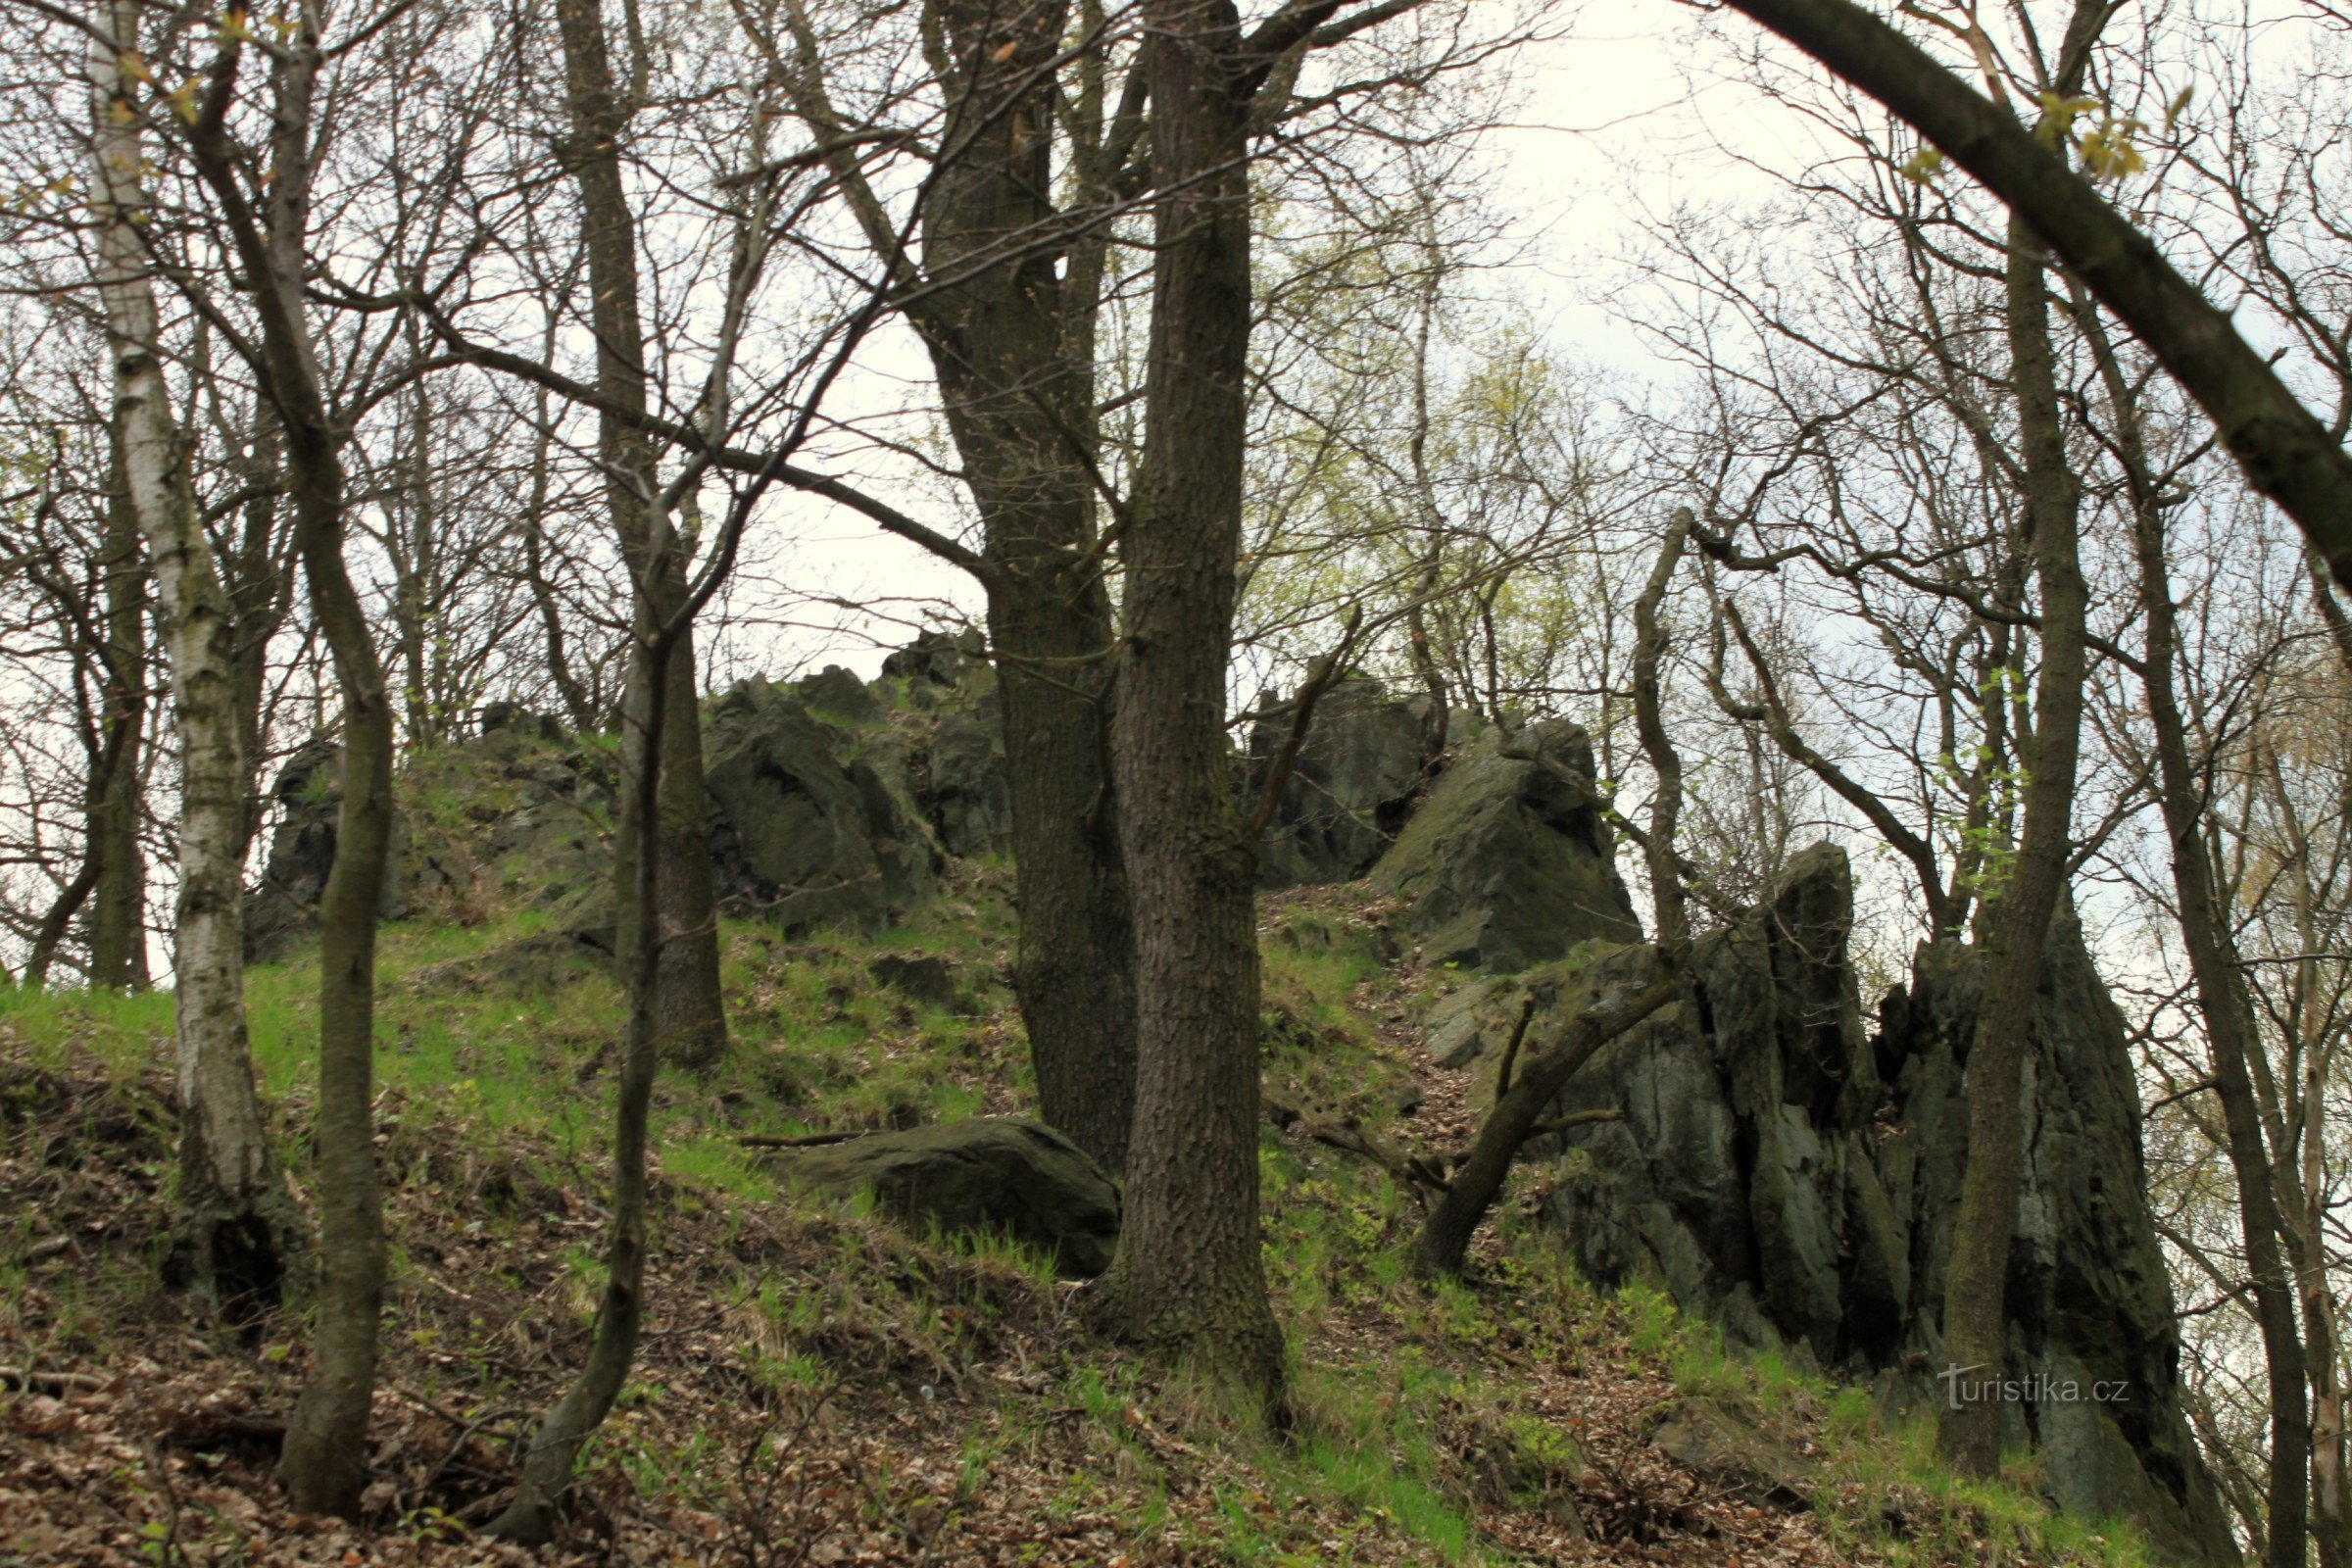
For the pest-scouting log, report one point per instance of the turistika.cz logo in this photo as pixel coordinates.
(2040, 1388)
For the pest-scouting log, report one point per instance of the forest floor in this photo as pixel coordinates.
(819, 1385)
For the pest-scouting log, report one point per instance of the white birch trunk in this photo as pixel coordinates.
(238, 1227)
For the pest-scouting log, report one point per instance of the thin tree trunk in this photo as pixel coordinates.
(118, 897)
(2230, 1030)
(1518, 1116)
(1975, 1326)
(1666, 806)
(236, 1230)
(547, 1469)
(50, 934)
(323, 1463)
(692, 1009)
(577, 708)
(261, 593)
(1189, 1278)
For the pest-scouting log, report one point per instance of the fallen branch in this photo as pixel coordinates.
(1420, 1174)
(1573, 1120)
(804, 1141)
(1518, 1116)
(1510, 1051)
(54, 1384)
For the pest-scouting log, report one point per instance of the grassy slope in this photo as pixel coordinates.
(812, 1375)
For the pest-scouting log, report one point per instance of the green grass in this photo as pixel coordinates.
(1875, 1466)
(520, 1079)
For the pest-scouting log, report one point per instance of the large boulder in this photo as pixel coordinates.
(1351, 788)
(1742, 1178)
(937, 661)
(1783, 1173)
(991, 1174)
(965, 790)
(805, 829)
(1510, 861)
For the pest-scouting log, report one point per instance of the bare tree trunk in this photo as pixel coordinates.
(692, 1008)
(236, 1230)
(50, 935)
(1189, 1276)
(2230, 1034)
(1013, 345)
(577, 708)
(261, 592)
(323, 1463)
(1975, 1326)
(547, 1469)
(1518, 1116)
(119, 898)
(1666, 807)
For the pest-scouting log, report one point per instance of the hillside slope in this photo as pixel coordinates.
(818, 1384)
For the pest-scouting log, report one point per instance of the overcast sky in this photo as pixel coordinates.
(1611, 114)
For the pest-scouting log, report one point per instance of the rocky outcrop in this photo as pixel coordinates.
(832, 800)
(1351, 788)
(308, 797)
(1794, 1179)
(989, 1174)
(1725, 1447)
(2089, 1298)
(806, 829)
(956, 762)
(1510, 861)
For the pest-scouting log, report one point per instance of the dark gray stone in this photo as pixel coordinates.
(936, 660)
(508, 715)
(1470, 1022)
(1510, 861)
(1726, 1450)
(2089, 1293)
(307, 794)
(803, 830)
(839, 694)
(922, 978)
(966, 793)
(988, 1174)
(1351, 788)
(1782, 1173)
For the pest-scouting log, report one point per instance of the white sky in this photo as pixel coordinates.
(1609, 110)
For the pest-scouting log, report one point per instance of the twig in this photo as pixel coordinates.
(805, 1140)
(1318, 680)
(1511, 1051)
(1417, 1172)
(1579, 1119)
(27, 1381)
(168, 1547)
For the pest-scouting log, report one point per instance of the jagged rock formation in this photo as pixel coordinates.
(832, 800)
(1510, 861)
(309, 796)
(1795, 1180)
(990, 1174)
(1779, 1169)
(1359, 769)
